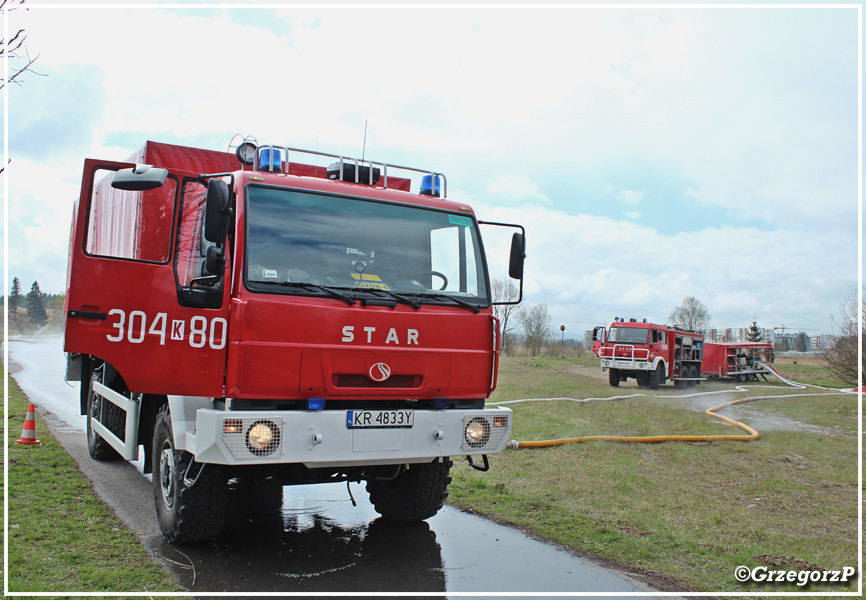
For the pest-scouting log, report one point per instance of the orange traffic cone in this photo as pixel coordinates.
(28, 434)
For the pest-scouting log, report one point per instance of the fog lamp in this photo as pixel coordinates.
(477, 432)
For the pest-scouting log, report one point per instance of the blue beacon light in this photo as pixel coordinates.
(270, 159)
(427, 188)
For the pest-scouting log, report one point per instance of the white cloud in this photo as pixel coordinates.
(631, 197)
(591, 269)
(510, 188)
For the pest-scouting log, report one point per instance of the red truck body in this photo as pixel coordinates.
(735, 359)
(650, 353)
(247, 317)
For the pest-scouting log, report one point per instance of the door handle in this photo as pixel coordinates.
(86, 314)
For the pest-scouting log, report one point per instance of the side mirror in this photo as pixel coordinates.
(518, 256)
(215, 261)
(140, 178)
(216, 215)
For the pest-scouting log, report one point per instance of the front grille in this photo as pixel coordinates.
(362, 381)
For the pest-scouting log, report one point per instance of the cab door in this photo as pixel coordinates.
(131, 255)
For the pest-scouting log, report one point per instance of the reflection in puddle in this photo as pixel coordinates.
(309, 544)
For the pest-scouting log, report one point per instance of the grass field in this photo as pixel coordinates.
(62, 538)
(685, 513)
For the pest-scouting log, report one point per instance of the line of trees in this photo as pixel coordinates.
(534, 322)
(35, 304)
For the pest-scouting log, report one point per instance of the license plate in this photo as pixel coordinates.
(362, 419)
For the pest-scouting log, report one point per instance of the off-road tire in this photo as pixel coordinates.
(185, 514)
(416, 494)
(643, 379)
(657, 377)
(98, 448)
(613, 378)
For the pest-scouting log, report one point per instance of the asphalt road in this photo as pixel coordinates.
(316, 541)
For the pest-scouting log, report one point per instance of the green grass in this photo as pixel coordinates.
(689, 513)
(62, 538)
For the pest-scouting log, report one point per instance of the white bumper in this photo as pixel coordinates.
(628, 364)
(323, 439)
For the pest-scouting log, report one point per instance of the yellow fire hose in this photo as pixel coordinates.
(654, 439)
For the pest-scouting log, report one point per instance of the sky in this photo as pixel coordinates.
(651, 152)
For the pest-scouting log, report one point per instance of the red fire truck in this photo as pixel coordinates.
(736, 360)
(249, 320)
(650, 353)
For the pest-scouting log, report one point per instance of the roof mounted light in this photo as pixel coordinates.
(246, 153)
(430, 186)
(270, 159)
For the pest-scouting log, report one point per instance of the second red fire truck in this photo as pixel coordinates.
(653, 354)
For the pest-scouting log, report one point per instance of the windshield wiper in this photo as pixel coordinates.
(312, 286)
(413, 303)
(456, 301)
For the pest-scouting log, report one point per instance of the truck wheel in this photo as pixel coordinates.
(186, 514)
(98, 448)
(657, 377)
(643, 379)
(613, 377)
(416, 494)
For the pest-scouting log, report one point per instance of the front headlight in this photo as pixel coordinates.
(263, 438)
(477, 432)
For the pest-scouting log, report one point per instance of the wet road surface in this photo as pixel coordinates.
(314, 540)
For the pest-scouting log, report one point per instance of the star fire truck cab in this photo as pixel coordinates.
(249, 321)
(650, 353)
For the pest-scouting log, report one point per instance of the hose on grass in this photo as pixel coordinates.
(655, 439)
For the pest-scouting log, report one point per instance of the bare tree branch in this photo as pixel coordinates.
(841, 358)
(12, 48)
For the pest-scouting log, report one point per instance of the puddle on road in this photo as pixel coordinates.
(319, 542)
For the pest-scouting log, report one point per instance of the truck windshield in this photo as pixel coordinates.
(628, 335)
(298, 237)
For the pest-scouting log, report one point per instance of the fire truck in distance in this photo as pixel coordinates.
(250, 321)
(651, 354)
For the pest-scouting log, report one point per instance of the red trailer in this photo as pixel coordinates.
(740, 360)
(250, 320)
